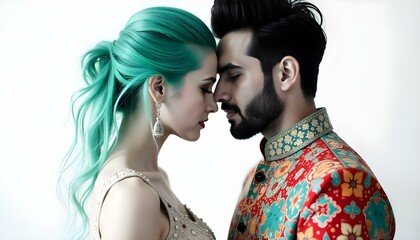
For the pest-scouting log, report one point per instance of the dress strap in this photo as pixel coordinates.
(109, 182)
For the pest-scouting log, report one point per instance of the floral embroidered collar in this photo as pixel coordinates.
(297, 136)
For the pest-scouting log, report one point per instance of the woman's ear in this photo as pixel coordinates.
(156, 88)
(286, 73)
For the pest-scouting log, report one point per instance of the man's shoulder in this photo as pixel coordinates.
(343, 153)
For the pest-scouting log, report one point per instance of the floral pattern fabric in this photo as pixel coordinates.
(312, 185)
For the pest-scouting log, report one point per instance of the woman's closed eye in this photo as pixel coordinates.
(207, 86)
(206, 90)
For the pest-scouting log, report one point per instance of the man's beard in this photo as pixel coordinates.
(261, 111)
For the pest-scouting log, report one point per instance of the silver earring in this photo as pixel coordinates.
(158, 128)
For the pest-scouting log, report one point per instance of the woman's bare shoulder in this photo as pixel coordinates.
(130, 209)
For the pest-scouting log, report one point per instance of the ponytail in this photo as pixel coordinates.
(94, 116)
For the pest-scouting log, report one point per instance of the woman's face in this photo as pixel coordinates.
(185, 111)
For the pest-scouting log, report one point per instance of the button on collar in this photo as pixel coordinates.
(259, 177)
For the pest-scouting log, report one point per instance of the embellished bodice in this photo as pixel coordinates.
(181, 225)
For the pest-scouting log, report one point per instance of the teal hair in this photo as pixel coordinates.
(163, 41)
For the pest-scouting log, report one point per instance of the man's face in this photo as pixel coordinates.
(247, 95)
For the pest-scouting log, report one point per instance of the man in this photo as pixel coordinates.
(310, 184)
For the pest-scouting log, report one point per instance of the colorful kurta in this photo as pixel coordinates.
(312, 185)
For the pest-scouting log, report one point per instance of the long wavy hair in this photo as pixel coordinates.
(163, 41)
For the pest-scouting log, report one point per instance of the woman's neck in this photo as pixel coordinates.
(136, 147)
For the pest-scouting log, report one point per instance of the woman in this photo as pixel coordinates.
(153, 81)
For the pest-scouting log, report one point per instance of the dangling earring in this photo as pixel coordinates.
(158, 128)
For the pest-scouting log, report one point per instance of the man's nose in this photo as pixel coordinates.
(221, 93)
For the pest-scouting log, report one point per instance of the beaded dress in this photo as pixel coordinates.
(181, 226)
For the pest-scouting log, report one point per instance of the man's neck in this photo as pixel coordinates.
(291, 115)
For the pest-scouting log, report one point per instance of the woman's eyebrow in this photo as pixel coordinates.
(212, 79)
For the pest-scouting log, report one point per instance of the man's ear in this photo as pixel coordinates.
(286, 73)
(156, 88)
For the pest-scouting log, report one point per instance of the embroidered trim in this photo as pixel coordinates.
(298, 136)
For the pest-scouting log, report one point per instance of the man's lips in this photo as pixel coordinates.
(230, 114)
(230, 109)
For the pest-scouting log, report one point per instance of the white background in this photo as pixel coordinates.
(369, 83)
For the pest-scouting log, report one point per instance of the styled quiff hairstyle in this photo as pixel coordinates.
(279, 28)
(163, 41)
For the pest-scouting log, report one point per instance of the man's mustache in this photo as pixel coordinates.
(227, 106)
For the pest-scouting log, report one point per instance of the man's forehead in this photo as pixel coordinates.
(234, 46)
(235, 42)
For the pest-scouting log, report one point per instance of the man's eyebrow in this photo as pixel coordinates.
(226, 67)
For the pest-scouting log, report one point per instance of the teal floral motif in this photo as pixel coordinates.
(290, 229)
(353, 210)
(296, 198)
(316, 185)
(275, 185)
(274, 217)
(335, 181)
(377, 213)
(306, 212)
(326, 237)
(367, 181)
(325, 209)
